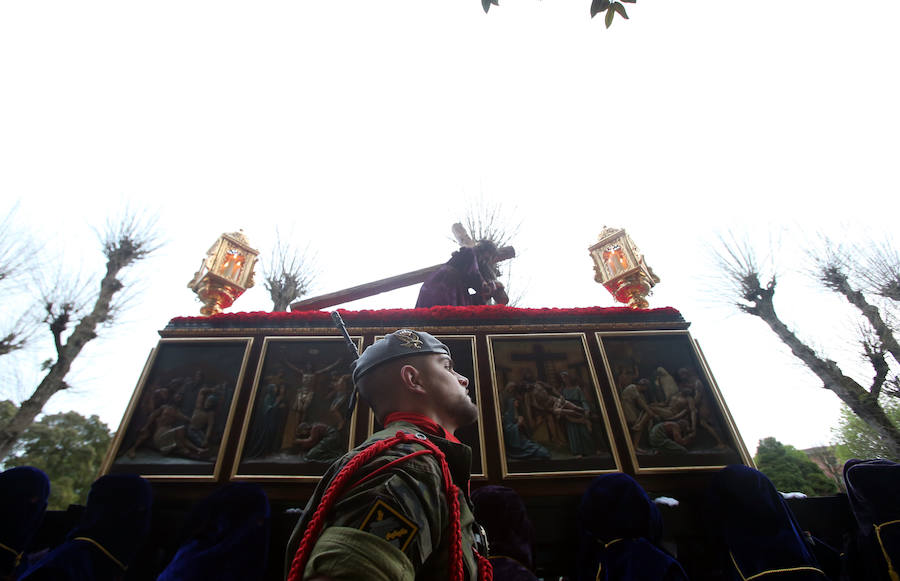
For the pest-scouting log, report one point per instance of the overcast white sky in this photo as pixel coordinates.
(361, 127)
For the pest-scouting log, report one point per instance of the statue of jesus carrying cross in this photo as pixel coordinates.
(473, 266)
(470, 267)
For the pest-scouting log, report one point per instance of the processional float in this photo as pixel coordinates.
(563, 394)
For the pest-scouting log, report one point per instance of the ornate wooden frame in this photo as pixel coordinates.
(738, 452)
(109, 462)
(597, 392)
(251, 404)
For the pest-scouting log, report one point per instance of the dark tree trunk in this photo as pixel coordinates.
(281, 302)
(861, 402)
(53, 382)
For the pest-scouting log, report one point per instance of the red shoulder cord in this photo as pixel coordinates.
(343, 480)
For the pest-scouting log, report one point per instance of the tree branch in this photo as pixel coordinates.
(881, 274)
(834, 277)
(289, 274)
(892, 387)
(860, 401)
(17, 248)
(492, 221)
(12, 342)
(58, 322)
(738, 264)
(124, 243)
(18, 255)
(875, 354)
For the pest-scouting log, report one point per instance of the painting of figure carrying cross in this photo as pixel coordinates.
(471, 268)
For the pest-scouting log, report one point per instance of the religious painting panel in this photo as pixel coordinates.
(462, 349)
(180, 415)
(298, 421)
(672, 411)
(550, 413)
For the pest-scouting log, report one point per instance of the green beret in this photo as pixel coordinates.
(402, 343)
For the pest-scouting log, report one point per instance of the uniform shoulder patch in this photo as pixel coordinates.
(389, 524)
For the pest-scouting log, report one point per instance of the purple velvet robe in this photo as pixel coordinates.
(450, 284)
(502, 513)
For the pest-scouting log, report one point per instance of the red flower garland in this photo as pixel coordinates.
(441, 313)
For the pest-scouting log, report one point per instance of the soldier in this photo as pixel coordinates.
(397, 506)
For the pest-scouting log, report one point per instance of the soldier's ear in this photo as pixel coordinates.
(411, 379)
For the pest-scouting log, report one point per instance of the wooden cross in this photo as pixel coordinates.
(540, 357)
(392, 283)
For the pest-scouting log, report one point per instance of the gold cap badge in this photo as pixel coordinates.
(409, 339)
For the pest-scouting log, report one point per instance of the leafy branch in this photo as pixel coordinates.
(597, 6)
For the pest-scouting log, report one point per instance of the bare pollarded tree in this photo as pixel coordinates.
(878, 344)
(74, 315)
(18, 253)
(288, 273)
(881, 273)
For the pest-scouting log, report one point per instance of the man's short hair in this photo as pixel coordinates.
(377, 388)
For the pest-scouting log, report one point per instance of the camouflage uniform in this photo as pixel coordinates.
(394, 526)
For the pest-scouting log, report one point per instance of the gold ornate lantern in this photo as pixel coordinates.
(620, 267)
(225, 273)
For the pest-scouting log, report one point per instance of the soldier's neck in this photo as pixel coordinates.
(427, 424)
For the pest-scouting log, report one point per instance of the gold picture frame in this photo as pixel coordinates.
(668, 401)
(551, 417)
(179, 418)
(296, 422)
